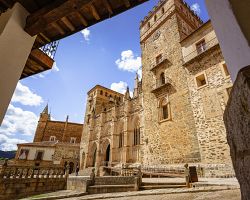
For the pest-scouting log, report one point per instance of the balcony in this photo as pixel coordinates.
(201, 50)
(163, 62)
(160, 87)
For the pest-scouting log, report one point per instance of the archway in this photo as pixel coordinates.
(71, 167)
(107, 155)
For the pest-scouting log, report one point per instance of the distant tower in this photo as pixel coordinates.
(127, 94)
(136, 86)
(44, 118)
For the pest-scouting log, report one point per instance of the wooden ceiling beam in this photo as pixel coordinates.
(94, 12)
(108, 6)
(127, 3)
(82, 19)
(68, 23)
(7, 3)
(58, 28)
(51, 13)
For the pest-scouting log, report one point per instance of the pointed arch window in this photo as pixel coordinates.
(121, 140)
(137, 135)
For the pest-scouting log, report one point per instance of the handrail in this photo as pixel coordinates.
(195, 53)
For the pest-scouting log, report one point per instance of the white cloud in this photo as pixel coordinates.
(86, 34)
(9, 144)
(196, 8)
(25, 96)
(128, 61)
(18, 121)
(120, 87)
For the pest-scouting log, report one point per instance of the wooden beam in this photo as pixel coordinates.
(94, 12)
(82, 19)
(53, 12)
(68, 23)
(58, 28)
(127, 3)
(45, 37)
(7, 3)
(108, 6)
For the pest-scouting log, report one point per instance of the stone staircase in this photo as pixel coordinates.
(86, 171)
(112, 184)
(161, 185)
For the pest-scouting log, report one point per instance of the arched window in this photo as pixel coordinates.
(137, 135)
(148, 24)
(101, 92)
(162, 78)
(164, 111)
(162, 10)
(121, 140)
(155, 17)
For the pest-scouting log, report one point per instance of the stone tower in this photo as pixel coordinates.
(44, 118)
(169, 128)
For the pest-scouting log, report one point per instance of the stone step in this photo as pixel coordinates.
(162, 183)
(152, 187)
(98, 189)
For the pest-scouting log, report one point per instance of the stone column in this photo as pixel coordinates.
(237, 121)
(15, 47)
(233, 43)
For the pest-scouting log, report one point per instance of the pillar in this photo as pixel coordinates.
(16, 46)
(233, 43)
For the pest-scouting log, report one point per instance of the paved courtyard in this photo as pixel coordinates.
(215, 195)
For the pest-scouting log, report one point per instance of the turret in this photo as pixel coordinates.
(135, 94)
(127, 94)
(45, 116)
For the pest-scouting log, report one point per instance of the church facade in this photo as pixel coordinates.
(176, 113)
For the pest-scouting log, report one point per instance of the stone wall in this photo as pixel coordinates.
(19, 188)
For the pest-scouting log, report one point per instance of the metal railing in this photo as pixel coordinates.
(208, 45)
(50, 49)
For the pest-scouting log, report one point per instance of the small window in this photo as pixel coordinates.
(23, 154)
(201, 46)
(162, 10)
(162, 79)
(73, 140)
(52, 138)
(158, 59)
(39, 155)
(148, 24)
(101, 92)
(164, 110)
(225, 70)
(201, 80)
(155, 18)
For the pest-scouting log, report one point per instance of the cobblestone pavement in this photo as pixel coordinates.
(215, 195)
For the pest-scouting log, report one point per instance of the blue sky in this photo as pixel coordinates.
(107, 53)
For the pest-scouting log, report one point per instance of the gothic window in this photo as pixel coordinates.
(73, 140)
(201, 46)
(201, 80)
(52, 138)
(162, 78)
(39, 155)
(137, 135)
(121, 140)
(164, 110)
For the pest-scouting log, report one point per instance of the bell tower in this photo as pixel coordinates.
(42, 123)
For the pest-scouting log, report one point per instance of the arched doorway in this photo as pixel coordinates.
(107, 156)
(71, 167)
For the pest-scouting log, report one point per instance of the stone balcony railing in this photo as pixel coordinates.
(205, 48)
(164, 62)
(159, 85)
(26, 172)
